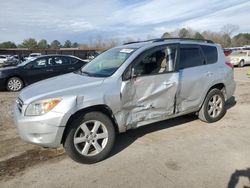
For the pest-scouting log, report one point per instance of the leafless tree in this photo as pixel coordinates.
(229, 29)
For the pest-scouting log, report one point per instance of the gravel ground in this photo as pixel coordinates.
(182, 152)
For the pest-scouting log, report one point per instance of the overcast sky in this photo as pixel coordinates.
(83, 20)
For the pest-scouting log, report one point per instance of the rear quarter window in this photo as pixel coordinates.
(210, 53)
(190, 57)
(74, 60)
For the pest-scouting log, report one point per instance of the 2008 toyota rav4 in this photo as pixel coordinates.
(125, 87)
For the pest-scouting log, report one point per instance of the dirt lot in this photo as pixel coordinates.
(183, 152)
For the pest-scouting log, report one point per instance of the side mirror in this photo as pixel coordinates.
(129, 74)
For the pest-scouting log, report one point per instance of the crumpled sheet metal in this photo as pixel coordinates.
(147, 98)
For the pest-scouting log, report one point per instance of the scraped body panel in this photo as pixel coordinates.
(147, 99)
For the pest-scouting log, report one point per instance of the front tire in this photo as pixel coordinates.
(213, 108)
(14, 84)
(90, 138)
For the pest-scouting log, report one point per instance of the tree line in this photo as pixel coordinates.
(31, 43)
(226, 37)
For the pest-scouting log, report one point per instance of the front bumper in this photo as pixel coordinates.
(45, 130)
(235, 62)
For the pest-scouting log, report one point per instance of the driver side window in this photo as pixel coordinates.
(156, 61)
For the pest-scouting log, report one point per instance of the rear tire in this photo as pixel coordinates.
(241, 63)
(90, 138)
(213, 108)
(14, 84)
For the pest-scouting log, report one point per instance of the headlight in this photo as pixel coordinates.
(41, 107)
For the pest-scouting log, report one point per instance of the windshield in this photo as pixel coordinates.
(107, 63)
(25, 62)
(33, 55)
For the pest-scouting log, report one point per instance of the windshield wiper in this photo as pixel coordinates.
(85, 73)
(90, 74)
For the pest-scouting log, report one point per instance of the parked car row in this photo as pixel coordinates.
(9, 60)
(3, 58)
(123, 88)
(14, 78)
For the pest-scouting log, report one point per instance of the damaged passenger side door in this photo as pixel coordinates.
(148, 92)
(195, 78)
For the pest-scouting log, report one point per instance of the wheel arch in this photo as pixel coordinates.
(97, 108)
(221, 86)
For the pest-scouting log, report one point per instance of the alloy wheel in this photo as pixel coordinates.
(15, 84)
(215, 106)
(90, 138)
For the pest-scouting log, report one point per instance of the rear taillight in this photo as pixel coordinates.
(229, 64)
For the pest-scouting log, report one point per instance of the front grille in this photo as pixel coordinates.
(19, 103)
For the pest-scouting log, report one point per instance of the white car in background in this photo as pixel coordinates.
(32, 55)
(240, 58)
(3, 58)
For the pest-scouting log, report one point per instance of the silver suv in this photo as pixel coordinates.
(124, 88)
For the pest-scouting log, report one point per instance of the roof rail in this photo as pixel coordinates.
(132, 42)
(189, 39)
(164, 39)
(150, 40)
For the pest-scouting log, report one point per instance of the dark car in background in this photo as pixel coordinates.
(36, 69)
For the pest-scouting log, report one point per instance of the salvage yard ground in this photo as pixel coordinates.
(182, 152)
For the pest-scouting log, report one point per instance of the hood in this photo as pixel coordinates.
(58, 86)
(2, 69)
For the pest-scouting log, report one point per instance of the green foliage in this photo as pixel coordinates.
(184, 33)
(55, 44)
(75, 45)
(42, 44)
(67, 44)
(28, 43)
(198, 36)
(166, 35)
(241, 39)
(8, 44)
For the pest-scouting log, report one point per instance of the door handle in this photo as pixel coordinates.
(71, 68)
(168, 83)
(49, 70)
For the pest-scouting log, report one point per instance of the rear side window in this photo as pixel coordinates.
(74, 60)
(61, 60)
(190, 57)
(40, 63)
(210, 53)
